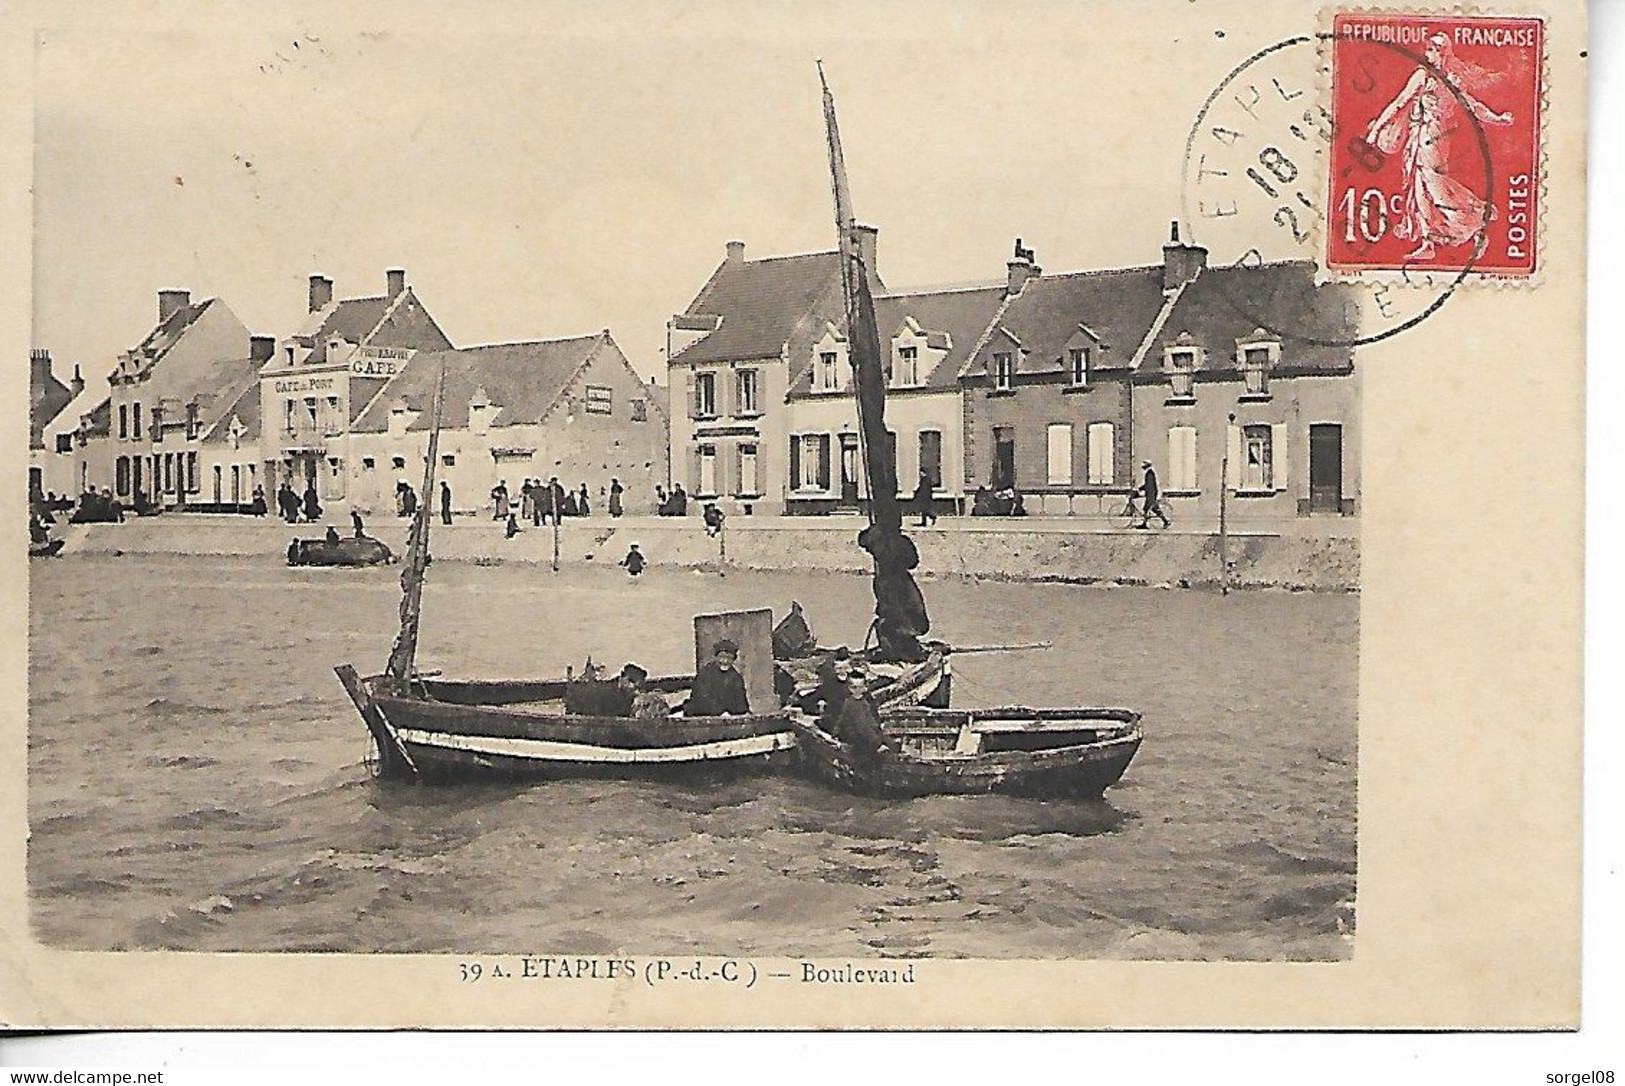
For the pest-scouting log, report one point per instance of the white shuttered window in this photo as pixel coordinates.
(1181, 458)
(1060, 454)
(1101, 444)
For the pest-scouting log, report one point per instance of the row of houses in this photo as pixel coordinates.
(1058, 386)
(201, 412)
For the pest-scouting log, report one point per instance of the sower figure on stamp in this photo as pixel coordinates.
(1439, 210)
(1150, 498)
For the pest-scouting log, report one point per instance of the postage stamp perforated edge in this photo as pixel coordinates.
(1325, 90)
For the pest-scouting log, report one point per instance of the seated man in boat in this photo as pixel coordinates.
(646, 704)
(719, 688)
(857, 723)
(600, 697)
(332, 534)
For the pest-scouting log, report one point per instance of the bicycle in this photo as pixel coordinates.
(1131, 517)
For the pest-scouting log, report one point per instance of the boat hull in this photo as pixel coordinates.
(49, 549)
(1050, 753)
(346, 552)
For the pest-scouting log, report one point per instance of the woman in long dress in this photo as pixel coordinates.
(1439, 210)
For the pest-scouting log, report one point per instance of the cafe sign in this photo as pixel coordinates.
(305, 384)
(374, 367)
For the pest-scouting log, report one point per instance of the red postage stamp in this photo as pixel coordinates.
(1436, 159)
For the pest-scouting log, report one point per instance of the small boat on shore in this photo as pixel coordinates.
(1048, 753)
(355, 551)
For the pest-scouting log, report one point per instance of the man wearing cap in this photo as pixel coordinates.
(719, 688)
(597, 697)
(1150, 498)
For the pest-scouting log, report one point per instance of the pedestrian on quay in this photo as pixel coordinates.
(527, 499)
(257, 506)
(924, 495)
(1151, 498)
(555, 498)
(634, 562)
(287, 502)
(313, 507)
(445, 502)
(499, 500)
(679, 500)
(400, 497)
(713, 518)
(513, 526)
(539, 504)
(661, 501)
(615, 492)
(355, 522)
(409, 500)
(582, 505)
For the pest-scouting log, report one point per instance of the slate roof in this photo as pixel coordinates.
(760, 303)
(1117, 306)
(164, 335)
(354, 320)
(209, 381)
(244, 402)
(523, 378)
(956, 318)
(1226, 304)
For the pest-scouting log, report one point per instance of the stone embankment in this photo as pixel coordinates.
(1028, 550)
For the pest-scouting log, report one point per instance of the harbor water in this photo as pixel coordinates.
(198, 779)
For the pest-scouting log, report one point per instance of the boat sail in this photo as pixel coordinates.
(901, 620)
(930, 750)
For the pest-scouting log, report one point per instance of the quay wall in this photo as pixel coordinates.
(1032, 550)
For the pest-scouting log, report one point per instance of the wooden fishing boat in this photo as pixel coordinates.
(354, 551)
(436, 729)
(1073, 753)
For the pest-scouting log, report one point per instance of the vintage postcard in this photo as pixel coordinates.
(728, 515)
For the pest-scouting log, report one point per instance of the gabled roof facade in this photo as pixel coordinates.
(756, 306)
(382, 321)
(1113, 310)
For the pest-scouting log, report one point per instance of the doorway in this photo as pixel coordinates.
(1004, 457)
(1326, 467)
(849, 469)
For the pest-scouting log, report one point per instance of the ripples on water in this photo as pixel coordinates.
(197, 778)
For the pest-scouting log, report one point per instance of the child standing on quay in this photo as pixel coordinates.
(634, 562)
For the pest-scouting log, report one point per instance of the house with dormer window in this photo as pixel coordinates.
(754, 328)
(925, 337)
(572, 408)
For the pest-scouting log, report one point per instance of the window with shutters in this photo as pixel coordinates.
(1181, 371)
(191, 422)
(1181, 458)
(64, 443)
(121, 476)
(707, 482)
(705, 395)
(1257, 458)
(600, 400)
(1060, 454)
(809, 462)
(123, 421)
(1077, 374)
(747, 393)
(1004, 371)
(931, 457)
(750, 483)
(829, 373)
(191, 473)
(907, 373)
(135, 416)
(1102, 454)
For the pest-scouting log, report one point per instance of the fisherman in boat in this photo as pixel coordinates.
(601, 697)
(719, 688)
(331, 535)
(857, 724)
(646, 704)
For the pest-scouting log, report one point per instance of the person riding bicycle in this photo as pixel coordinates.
(1150, 498)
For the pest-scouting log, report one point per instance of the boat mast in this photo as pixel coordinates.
(404, 651)
(900, 616)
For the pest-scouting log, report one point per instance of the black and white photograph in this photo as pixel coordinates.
(777, 501)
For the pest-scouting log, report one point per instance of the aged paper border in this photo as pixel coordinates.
(1470, 724)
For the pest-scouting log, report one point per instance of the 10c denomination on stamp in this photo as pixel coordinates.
(1437, 168)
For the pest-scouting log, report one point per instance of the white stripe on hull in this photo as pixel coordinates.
(547, 750)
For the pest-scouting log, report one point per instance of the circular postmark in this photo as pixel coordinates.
(1269, 166)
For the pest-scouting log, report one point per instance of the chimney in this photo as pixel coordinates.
(868, 242)
(1020, 269)
(39, 366)
(736, 252)
(1180, 262)
(261, 348)
(321, 292)
(78, 382)
(172, 301)
(396, 279)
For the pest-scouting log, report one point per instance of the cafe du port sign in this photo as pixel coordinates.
(306, 384)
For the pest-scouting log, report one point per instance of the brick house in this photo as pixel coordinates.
(730, 357)
(1083, 376)
(572, 408)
